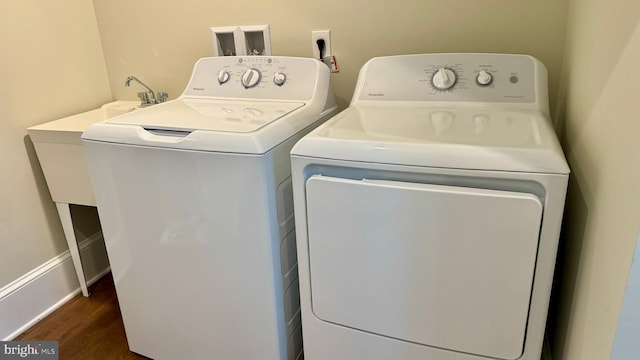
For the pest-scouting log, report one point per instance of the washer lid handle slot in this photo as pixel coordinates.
(159, 135)
(168, 132)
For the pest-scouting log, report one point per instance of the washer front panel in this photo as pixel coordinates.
(442, 266)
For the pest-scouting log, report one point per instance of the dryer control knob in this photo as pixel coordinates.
(251, 78)
(484, 78)
(223, 76)
(279, 78)
(444, 79)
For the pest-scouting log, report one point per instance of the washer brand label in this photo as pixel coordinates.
(31, 350)
(375, 94)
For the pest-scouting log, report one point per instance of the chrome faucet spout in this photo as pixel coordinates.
(151, 101)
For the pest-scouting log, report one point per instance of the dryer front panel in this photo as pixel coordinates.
(442, 266)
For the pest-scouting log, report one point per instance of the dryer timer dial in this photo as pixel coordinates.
(444, 78)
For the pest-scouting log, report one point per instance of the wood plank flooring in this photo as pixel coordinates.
(86, 328)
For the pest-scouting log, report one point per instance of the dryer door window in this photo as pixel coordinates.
(443, 266)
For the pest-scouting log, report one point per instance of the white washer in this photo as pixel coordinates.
(194, 197)
(428, 212)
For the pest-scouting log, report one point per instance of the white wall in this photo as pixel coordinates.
(626, 344)
(160, 40)
(601, 139)
(51, 65)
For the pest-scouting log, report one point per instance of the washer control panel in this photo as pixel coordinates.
(453, 77)
(255, 77)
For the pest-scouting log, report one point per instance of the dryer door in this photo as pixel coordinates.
(443, 266)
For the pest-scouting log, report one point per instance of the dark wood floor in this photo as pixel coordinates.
(86, 328)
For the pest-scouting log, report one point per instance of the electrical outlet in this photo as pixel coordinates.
(331, 62)
(324, 35)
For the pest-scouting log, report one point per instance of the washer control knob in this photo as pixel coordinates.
(444, 79)
(484, 78)
(223, 76)
(251, 78)
(279, 78)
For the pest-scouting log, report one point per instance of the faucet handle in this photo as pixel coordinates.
(162, 97)
(144, 98)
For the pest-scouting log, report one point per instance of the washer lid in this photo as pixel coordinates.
(191, 114)
(480, 139)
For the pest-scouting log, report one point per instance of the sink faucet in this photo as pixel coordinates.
(145, 100)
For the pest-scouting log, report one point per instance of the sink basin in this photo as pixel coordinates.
(61, 155)
(118, 108)
(69, 129)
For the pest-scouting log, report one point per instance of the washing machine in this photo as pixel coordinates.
(195, 200)
(428, 212)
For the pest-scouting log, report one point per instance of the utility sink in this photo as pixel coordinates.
(118, 108)
(63, 163)
(61, 155)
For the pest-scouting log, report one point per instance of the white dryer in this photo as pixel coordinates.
(428, 212)
(195, 201)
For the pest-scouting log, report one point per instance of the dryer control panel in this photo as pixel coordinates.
(255, 77)
(482, 78)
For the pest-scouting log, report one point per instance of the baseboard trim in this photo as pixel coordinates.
(42, 290)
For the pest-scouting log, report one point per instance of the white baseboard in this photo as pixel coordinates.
(39, 292)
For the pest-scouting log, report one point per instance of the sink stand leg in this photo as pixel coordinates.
(64, 211)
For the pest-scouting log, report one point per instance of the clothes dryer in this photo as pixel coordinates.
(428, 212)
(195, 201)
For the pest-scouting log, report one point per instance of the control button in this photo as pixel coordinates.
(484, 78)
(227, 110)
(444, 79)
(223, 76)
(279, 78)
(513, 79)
(251, 78)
